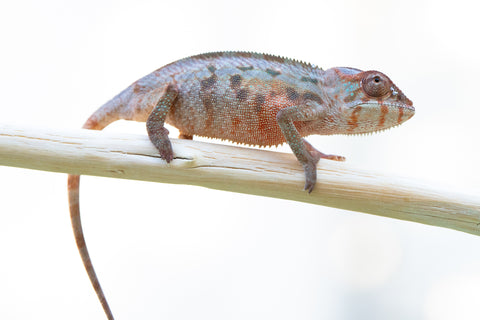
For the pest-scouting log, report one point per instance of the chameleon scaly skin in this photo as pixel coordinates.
(249, 98)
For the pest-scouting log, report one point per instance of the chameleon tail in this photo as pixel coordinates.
(73, 199)
(111, 111)
(108, 113)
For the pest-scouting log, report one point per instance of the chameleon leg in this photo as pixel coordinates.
(317, 154)
(157, 133)
(305, 153)
(185, 136)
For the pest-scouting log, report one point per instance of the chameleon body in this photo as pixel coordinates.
(249, 98)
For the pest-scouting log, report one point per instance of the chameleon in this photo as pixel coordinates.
(248, 98)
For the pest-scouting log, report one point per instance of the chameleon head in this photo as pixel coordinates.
(369, 101)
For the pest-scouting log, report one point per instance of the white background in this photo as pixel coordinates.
(180, 252)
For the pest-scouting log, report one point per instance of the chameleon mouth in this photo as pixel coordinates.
(374, 117)
(410, 108)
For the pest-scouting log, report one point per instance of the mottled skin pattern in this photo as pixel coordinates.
(253, 99)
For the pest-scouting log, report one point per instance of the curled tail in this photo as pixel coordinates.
(108, 113)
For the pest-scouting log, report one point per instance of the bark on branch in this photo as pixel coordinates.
(250, 171)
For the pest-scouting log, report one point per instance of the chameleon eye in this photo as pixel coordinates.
(376, 84)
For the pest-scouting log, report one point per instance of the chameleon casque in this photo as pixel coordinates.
(249, 98)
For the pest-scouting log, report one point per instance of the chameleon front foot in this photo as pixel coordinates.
(330, 157)
(310, 167)
(317, 155)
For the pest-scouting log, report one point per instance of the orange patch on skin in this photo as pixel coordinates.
(400, 115)
(384, 112)
(263, 123)
(330, 119)
(277, 96)
(92, 123)
(268, 129)
(236, 123)
(353, 122)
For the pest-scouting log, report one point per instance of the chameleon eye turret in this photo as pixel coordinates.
(376, 84)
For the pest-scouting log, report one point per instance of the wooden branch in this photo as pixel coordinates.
(244, 170)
